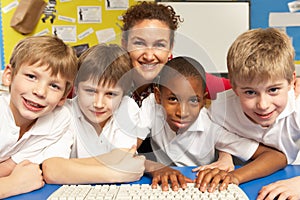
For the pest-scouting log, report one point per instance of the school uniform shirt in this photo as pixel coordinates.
(197, 145)
(48, 137)
(117, 132)
(284, 134)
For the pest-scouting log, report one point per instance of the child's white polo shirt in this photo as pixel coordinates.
(114, 135)
(197, 145)
(47, 138)
(226, 110)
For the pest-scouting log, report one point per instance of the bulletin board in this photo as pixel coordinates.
(77, 22)
(260, 13)
(1, 45)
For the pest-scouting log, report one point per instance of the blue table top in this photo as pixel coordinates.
(251, 188)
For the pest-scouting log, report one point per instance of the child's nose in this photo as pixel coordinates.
(99, 102)
(183, 110)
(40, 91)
(263, 102)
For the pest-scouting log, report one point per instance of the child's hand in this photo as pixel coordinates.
(26, 177)
(125, 162)
(218, 164)
(284, 189)
(209, 179)
(6, 167)
(166, 174)
(224, 162)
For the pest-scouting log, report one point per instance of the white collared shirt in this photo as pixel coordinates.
(197, 145)
(226, 110)
(117, 132)
(48, 137)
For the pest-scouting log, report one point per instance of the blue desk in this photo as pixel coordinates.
(251, 188)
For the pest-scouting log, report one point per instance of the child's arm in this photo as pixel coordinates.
(6, 167)
(163, 174)
(25, 177)
(113, 167)
(262, 165)
(224, 162)
(284, 189)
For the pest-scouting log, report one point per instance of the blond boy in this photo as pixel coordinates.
(262, 105)
(40, 75)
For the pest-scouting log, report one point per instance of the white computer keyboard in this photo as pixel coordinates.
(142, 192)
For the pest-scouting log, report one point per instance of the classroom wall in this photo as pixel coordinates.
(1, 43)
(208, 30)
(260, 13)
(259, 18)
(101, 23)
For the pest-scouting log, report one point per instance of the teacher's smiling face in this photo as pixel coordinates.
(149, 47)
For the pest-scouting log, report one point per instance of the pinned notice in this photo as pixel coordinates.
(284, 19)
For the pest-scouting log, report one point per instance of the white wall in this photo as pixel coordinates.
(298, 70)
(209, 28)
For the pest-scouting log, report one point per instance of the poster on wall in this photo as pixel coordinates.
(66, 33)
(116, 4)
(89, 14)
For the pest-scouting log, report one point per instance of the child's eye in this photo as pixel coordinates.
(274, 90)
(90, 90)
(250, 92)
(172, 99)
(195, 100)
(55, 86)
(30, 76)
(113, 94)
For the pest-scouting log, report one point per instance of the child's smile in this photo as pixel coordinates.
(33, 106)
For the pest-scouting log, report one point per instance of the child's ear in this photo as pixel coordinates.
(294, 78)
(235, 91)
(7, 75)
(62, 101)
(294, 84)
(157, 95)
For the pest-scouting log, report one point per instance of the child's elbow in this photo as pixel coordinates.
(284, 158)
(281, 157)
